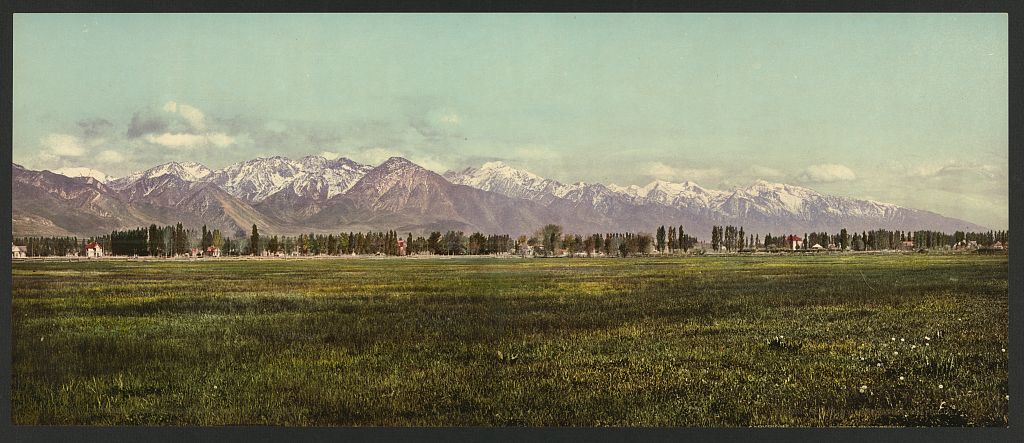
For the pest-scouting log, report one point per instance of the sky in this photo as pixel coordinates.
(910, 109)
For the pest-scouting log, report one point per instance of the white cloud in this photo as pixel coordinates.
(110, 156)
(63, 145)
(430, 163)
(765, 172)
(190, 141)
(664, 171)
(330, 155)
(954, 168)
(195, 117)
(826, 173)
(451, 118)
(376, 156)
(220, 139)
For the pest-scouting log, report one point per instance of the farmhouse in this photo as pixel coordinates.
(213, 251)
(817, 247)
(93, 249)
(794, 242)
(17, 251)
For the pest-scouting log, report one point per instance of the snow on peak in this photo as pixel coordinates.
(497, 164)
(254, 180)
(312, 176)
(194, 171)
(83, 172)
(188, 171)
(497, 176)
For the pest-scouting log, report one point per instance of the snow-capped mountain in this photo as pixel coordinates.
(499, 177)
(83, 172)
(685, 194)
(188, 171)
(254, 180)
(762, 205)
(311, 177)
(322, 179)
(317, 194)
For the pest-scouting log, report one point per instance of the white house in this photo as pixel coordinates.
(93, 249)
(18, 251)
(795, 242)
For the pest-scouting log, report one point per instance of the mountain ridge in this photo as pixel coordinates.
(314, 193)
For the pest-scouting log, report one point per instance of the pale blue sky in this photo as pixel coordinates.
(904, 108)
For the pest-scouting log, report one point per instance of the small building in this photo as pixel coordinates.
(401, 246)
(817, 247)
(998, 246)
(18, 251)
(93, 250)
(908, 244)
(212, 251)
(966, 245)
(794, 242)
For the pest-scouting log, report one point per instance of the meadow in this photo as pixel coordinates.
(834, 340)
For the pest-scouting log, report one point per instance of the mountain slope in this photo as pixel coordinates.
(285, 196)
(188, 171)
(45, 203)
(403, 195)
(313, 177)
(83, 172)
(763, 206)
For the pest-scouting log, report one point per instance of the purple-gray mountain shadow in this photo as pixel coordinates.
(315, 194)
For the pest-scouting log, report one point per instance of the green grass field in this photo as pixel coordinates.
(876, 340)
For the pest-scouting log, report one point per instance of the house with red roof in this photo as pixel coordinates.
(794, 242)
(93, 249)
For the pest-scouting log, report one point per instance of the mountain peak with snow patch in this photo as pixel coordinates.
(83, 172)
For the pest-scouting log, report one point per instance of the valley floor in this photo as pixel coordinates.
(799, 340)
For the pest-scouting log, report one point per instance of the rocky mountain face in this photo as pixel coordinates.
(315, 194)
(760, 207)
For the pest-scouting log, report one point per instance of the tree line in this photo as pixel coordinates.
(550, 240)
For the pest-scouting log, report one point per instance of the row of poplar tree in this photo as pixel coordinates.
(549, 240)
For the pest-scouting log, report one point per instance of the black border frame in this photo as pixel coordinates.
(9, 432)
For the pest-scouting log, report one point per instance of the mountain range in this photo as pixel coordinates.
(316, 194)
